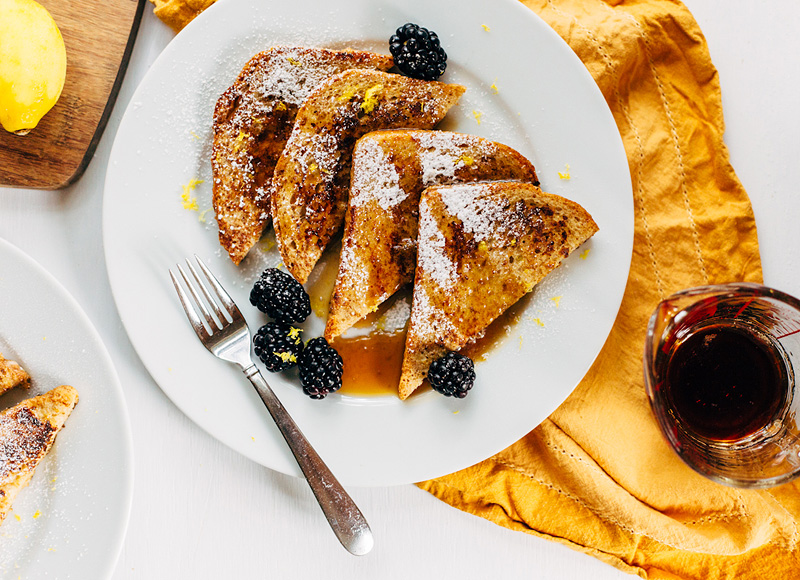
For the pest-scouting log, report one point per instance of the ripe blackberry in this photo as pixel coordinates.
(452, 375)
(278, 346)
(280, 296)
(320, 368)
(417, 52)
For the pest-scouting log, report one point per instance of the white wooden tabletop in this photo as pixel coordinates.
(202, 511)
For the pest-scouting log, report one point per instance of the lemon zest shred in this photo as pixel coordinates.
(286, 356)
(477, 115)
(539, 322)
(202, 217)
(557, 300)
(371, 99)
(187, 200)
(293, 61)
(281, 106)
(467, 160)
(493, 86)
(585, 254)
(486, 28)
(294, 333)
(37, 514)
(566, 174)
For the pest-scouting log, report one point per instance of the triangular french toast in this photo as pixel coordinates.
(12, 375)
(481, 247)
(390, 170)
(27, 431)
(312, 177)
(252, 121)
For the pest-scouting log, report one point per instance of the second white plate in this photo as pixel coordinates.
(70, 521)
(525, 88)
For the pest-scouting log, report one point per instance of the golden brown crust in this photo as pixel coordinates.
(12, 375)
(481, 248)
(312, 177)
(27, 432)
(390, 170)
(252, 121)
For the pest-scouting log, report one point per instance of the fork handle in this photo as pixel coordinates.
(344, 517)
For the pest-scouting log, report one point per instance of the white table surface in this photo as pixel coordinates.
(202, 511)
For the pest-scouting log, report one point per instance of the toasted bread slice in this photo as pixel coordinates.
(12, 375)
(390, 170)
(312, 177)
(27, 431)
(252, 121)
(481, 247)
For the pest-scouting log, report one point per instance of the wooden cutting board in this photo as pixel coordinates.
(99, 37)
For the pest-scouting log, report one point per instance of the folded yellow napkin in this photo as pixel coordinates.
(597, 475)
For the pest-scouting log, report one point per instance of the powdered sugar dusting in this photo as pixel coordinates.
(375, 177)
(441, 154)
(426, 321)
(396, 317)
(319, 149)
(481, 216)
(23, 438)
(431, 251)
(353, 273)
(287, 77)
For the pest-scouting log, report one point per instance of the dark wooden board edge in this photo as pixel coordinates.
(112, 99)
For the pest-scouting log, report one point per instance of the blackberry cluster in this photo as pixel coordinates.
(281, 297)
(278, 345)
(417, 52)
(452, 375)
(320, 369)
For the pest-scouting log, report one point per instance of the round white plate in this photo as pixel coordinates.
(70, 521)
(525, 88)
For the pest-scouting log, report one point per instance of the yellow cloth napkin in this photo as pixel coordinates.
(597, 475)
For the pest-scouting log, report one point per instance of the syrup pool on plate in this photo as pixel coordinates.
(372, 351)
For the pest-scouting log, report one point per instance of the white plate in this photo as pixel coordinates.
(546, 105)
(70, 521)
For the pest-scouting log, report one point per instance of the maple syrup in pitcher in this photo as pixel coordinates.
(725, 382)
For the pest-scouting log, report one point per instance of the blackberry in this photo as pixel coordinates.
(320, 368)
(278, 346)
(280, 296)
(452, 375)
(417, 52)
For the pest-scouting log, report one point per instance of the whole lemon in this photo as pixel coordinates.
(33, 64)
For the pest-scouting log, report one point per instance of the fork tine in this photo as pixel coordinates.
(223, 296)
(194, 320)
(220, 316)
(212, 324)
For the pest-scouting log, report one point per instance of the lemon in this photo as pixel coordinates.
(33, 64)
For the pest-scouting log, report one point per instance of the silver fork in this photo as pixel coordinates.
(228, 338)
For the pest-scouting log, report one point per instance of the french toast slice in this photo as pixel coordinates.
(12, 375)
(481, 247)
(27, 432)
(252, 121)
(390, 170)
(312, 176)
